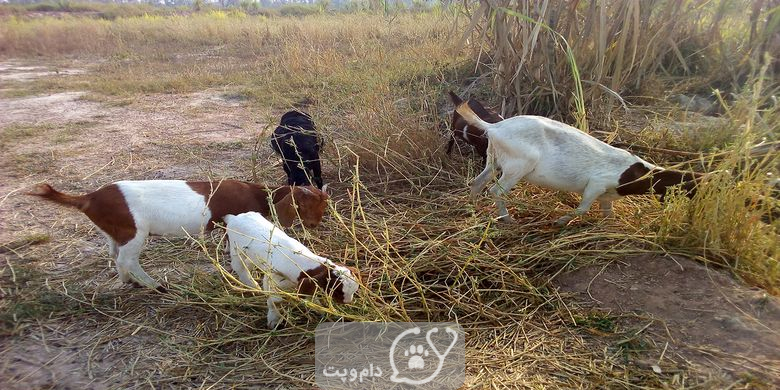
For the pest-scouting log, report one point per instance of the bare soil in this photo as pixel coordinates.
(697, 315)
(16, 71)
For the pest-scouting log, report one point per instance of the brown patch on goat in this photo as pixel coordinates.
(323, 278)
(639, 179)
(232, 197)
(472, 135)
(106, 208)
(313, 204)
(236, 197)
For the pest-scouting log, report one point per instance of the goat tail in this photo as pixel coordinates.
(471, 118)
(48, 192)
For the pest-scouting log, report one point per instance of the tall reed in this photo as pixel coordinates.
(618, 46)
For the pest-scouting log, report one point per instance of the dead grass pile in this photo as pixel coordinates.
(426, 256)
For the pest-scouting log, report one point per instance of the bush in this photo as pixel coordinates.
(299, 10)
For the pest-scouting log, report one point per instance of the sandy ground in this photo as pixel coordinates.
(699, 314)
(16, 71)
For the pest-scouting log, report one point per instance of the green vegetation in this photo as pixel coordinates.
(109, 11)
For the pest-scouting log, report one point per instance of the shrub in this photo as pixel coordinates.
(299, 9)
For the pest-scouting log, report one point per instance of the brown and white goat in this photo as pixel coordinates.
(472, 135)
(127, 212)
(555, 155)
(286, 264)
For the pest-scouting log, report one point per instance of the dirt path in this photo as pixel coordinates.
(694, 315)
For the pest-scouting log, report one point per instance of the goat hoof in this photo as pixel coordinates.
(161, 289)
(562, 221)
(506, 219)
(136, 284)
(275, 325)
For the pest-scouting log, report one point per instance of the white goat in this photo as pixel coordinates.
(286, 264)
(555, 155)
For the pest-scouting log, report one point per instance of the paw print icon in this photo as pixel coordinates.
(417, 354)
(416, 361)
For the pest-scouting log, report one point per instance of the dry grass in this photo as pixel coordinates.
(562, 58)
(400, 213)
(734, 220)
(421, 262)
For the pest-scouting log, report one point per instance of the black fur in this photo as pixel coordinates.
(297, 128)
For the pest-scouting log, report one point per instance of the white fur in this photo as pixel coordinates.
(165, 207)
(160, 207)
(256, 242)
(551, 154)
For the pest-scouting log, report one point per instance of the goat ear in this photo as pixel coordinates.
(285, 210)
(486, 114)
(456, 100)
(309, 281)
(307, 286)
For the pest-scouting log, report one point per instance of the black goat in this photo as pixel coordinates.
(297, 142)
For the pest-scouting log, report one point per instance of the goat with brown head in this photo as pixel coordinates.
(127, 212)
(286, 264)
(308, 202)
(557, 156)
